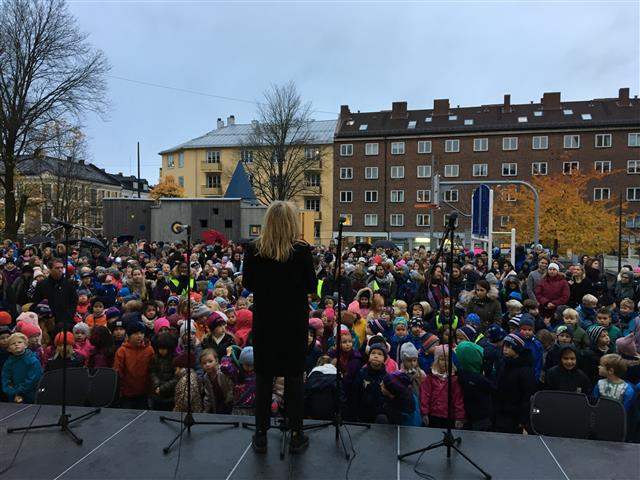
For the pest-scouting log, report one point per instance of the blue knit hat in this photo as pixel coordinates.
(473, 319)
(246, 356)
(399, 320)
(516, 342)
(495, 333)
(469, 332)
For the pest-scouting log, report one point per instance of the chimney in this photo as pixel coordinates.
(219, 124)
(623, 97)
(441, 106)
(231, 120)
(551, 101)
(344, 111)
(507, 103)
(399, 110)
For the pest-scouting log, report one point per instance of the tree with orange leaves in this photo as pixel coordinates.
(566, 213)
(167, 188)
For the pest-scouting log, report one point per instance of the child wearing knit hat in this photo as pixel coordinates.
(60, 357)
(477, 390)
(243, 377)
(366, 400)
(409, 365)
(82, 345)
(400, 336)
(400, 405)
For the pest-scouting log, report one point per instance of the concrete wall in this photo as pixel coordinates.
(127, 216)
(251, 216)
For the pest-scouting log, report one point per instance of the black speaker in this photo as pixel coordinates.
(569, 414)
(103, 387)
(96, 388)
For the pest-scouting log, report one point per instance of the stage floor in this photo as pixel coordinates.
(128, 444)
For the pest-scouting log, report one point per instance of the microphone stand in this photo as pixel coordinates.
(448, 441)
(65, 420)
(337, 421)
(188, 421)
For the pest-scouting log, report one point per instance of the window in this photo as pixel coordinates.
(170, 161)
(247, 155)
(423, 196)
(586, 116)
(633, 194)
(537, 113)
(452, 145)
(468, 121)
(450, 196)
(371, 196)
(181, 160)
(228, 223)
(428, 119)
(311, 153)
(424, 146)
(346, 149)
(204, 223)
(567, 111)
(348, 218)
(539, 168)
(424, 171)
(603, 140)
(423, 220)
(603, 166)
(451, 170)
(370, 219)
(572, 141)
(570, 167)
(346, 196)
(371, 173)
(453, 117)
(371, 148)
(213, 180)
(254, 230)
(412, 124)
(363, 127)
(510, 143)
(346, 173)
(504, 220)
(397, 171)
(181, 181)
(480, 144)
(509, 169)
(600, 194)
(633, 166)
(397, 196)
(312, 179)
(213, 156)
(397, 148)
(633, 140)
(480, 169)
(312, 203)
(397, 219)
(540, 142)
(508, 195)
(523, 119)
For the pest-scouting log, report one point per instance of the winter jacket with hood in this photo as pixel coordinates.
(476, 388)
(133, 364)
(433, 397)
(515, 385)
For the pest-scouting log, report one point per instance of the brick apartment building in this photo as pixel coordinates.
(384, 161)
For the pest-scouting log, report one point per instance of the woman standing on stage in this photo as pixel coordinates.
(278, 269)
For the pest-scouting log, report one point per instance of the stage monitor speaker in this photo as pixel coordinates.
(569, 414)
(96, 388)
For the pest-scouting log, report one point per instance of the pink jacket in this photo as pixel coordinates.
(433, 397)
(390, 365)
(85, 349)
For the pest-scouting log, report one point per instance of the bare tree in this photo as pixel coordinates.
(48, 71)
(281, 146)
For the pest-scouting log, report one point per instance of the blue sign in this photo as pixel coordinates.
(480, 211)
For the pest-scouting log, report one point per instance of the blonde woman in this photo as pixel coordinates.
(278, 270)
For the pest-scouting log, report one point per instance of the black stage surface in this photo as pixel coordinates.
(128, 444)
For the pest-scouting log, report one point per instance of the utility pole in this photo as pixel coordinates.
(138, 170)
(619, 233)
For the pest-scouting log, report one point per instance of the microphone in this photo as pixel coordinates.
(177, 227)
(61, 223)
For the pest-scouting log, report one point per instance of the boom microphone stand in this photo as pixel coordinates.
(448, 440)
(188, 421)
(337, 421)
(65, 420)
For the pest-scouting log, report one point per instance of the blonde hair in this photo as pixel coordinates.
(280, 230)
(571, 313)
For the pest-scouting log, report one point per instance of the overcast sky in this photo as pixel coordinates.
(364, 54)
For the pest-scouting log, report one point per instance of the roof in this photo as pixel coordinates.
(576, 114)
(240, 186)
(235, 135)
(30, 166)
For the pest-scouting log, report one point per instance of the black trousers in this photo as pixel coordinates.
(293, 400)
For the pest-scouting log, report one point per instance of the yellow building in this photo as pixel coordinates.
(204, 167)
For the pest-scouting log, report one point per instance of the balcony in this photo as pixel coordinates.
(313, 190)
(210, 167)
(213, 191)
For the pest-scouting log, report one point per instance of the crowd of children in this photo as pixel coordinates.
(514, 330)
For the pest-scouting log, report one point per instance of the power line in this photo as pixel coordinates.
(195, 92)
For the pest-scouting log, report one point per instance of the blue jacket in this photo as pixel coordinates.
(20, 376)
(537, 352)
(625, 396)
(587, 316)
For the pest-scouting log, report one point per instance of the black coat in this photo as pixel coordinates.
(559, 378)
(62, 298)
(280, 309)
(515, 384)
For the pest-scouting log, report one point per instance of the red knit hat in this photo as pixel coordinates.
(28, 329)
(5, 318)
(59, 340)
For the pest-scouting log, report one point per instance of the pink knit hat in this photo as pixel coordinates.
(28, 317)
(317, 324)
(159, 323)
(627, 345)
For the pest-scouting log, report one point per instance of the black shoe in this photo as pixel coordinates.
(259, 442)
(299, 442)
